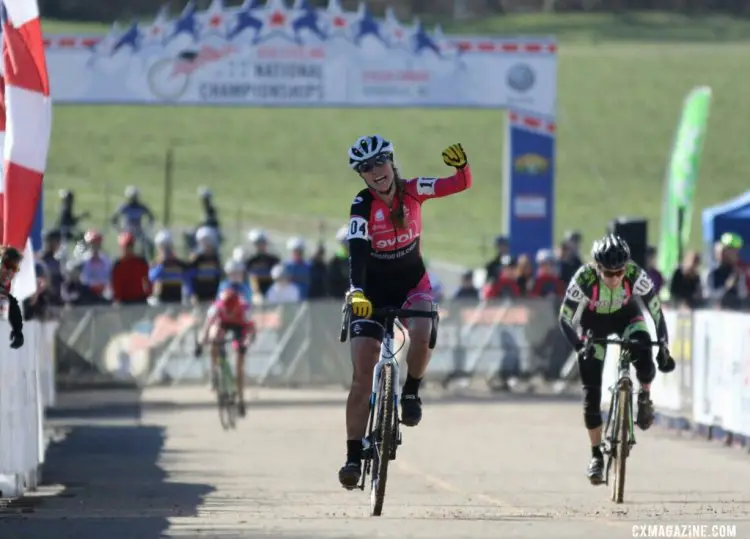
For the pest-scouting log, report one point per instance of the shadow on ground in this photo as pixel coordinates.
(102, 481)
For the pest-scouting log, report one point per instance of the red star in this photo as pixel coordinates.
(215, 21)
(339, 22)
(398, 33)
(278, 18)
(155, 31)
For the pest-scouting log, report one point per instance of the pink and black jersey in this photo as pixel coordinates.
(376, 245)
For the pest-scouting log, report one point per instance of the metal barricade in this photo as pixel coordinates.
(298, 345)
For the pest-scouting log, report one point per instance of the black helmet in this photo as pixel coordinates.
(611, 252)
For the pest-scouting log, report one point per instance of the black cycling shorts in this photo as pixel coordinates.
(397, 290)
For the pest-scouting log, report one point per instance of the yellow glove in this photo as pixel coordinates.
(361, 306)
(454, 156)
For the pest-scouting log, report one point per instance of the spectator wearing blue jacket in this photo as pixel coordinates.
(297, 267)
(235, 271)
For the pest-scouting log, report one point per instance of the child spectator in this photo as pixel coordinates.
(283, 290)
(297, 268)
(547, 281)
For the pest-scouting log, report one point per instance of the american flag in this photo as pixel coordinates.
(28, 112)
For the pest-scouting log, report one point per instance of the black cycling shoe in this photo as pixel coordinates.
(241, 408)
(350, 474)
(645, 417)
(411, 410)
(595, 471)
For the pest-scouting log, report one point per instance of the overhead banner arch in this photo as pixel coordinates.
(269, 55)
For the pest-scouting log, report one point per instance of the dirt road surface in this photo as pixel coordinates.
(158, 464)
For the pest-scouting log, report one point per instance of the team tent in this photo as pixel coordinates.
(729, 216)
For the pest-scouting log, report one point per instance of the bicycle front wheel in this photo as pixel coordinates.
(384, 440)
(621, 429)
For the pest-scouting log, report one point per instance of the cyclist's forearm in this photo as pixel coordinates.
(568, 325)
(654, 308)
(359, 251)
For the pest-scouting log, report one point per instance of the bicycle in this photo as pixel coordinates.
(383, 433)
(619, 431)
(226, 389)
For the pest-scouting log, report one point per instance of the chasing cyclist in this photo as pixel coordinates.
(386, 269)
(228, 314)
(608, 296)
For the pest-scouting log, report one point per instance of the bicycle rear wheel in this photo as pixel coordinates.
(621, 431)
(383, 440)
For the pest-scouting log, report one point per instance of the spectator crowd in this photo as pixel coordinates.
(155, 273)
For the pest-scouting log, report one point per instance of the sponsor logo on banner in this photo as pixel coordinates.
(300, 55)
(530, 207)
(521, 77)
(532, 164)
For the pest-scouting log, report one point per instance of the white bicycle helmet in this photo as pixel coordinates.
(233, 266)
(367, 147)
(205, 233)
(294, 244)
(163, 237)
(238, 254)
(131, 191)
(342, 234)
(256, 235)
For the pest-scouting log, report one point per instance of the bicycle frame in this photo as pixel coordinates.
(387, 356)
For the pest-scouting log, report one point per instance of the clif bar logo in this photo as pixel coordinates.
(531, 163)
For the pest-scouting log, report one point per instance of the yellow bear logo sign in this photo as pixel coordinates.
(531, 163)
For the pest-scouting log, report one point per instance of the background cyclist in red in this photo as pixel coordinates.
(386, 269)
(228, 314)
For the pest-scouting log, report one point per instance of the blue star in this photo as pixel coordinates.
(131, 38)
(310, 20)
(368, 26)
(187, 22)
(245, 20)
(423, 41)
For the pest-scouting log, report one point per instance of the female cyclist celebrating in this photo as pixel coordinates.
(386, 269)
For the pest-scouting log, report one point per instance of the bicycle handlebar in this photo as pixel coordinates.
(626, 342)
(393, 313)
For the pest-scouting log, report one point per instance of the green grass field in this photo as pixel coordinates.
(621, 85)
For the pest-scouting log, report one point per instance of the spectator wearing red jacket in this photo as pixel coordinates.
(547, 281)
(130, 282)
(506, 284)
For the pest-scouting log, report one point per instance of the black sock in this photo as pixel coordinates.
(596, 452)
(411, 386)
(353, 450)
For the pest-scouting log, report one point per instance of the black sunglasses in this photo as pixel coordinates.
(370, 164)
(612, 273)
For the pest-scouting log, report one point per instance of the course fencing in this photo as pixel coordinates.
(299, 344)
(28, 389)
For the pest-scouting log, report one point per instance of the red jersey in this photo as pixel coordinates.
(221, 313)
(374, 242)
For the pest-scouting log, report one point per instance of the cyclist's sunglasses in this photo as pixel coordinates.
(11, 265)
(376, 161)
(612, 273)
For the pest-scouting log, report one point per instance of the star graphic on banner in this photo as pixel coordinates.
(367, 26)
(394, 32)
(186, 23)
(423, 41)
(106, 44)
(214, 21)
(131, 38)
(309, 20)
(277, 22)
(246, 18)
(156, 32)
(340, 24)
